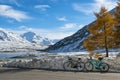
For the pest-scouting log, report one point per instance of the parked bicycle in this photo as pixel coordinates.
(97, 64)
(73, 65)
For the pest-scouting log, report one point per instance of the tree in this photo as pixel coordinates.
(101, 32)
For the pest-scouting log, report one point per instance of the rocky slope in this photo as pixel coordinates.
(71, 43)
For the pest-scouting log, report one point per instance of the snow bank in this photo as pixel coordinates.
(50, 62)
(55, 61)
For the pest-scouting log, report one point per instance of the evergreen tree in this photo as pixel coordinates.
(102, 32)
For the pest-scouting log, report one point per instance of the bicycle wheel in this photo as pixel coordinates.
(89, 66)
(70, 66)
(104, 67)
(80, 66)
(66, 66)
(73, 67)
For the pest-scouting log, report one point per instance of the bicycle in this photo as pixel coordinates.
(97, 64)
(73, 65)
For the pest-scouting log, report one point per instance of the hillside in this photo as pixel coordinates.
(71, 43)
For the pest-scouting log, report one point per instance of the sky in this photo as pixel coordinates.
(54, 19)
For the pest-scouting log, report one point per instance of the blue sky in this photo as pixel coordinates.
(54, 19)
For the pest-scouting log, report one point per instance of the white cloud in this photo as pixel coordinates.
(42, 7)
(49, 33)
(59, 35)
(89, 8)
(62, 18)
(14, 2)
(79, 8)
(56, 33)
(25, 28)
(69, 26)
(9, 12)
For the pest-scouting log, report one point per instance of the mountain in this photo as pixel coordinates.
(13, 42)
(11, 37)
(28, 36)
(70, 43)
(73, 42)
(34, 38)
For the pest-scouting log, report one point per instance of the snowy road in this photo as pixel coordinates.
(28, 74)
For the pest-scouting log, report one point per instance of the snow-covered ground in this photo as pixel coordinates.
(6, 46)
(55, 61)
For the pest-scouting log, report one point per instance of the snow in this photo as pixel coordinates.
(44, 60)
(34, 38)
(55, 61)
(28, 41)
(13, 42)
(71, 43)
(69, 48)
(28, 36)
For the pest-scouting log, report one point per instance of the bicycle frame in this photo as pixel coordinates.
(96, 63)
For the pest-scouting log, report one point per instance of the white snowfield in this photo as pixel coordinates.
(53, 61)
(13, 42)
(37, 39)
(19, 46)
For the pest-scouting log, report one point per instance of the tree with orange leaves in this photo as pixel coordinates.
(101, 32)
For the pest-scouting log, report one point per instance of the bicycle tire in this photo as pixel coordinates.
(66, 65)
(89, 66)
(69, 66)
(80, 66)
(104, 67)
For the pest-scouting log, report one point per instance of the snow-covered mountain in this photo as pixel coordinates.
(10, 41)
(11, 37)
(13, 42)
(71, 43)
(34, 38)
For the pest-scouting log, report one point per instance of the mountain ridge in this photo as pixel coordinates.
(13, 42)
(70, 43)
(34, 38)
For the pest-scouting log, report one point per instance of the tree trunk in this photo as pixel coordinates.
(106, 49)
(105, 42)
